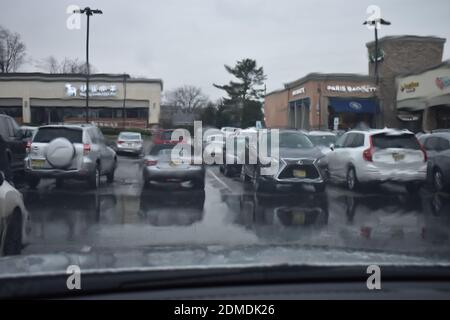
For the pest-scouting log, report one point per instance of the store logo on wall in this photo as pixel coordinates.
(409, 87)
(298, 91)
(357, 89)
(443, 82)
(94, 90)
(355, 105)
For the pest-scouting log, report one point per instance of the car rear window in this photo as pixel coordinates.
(404, 141)
(48, 134)
(154, 151)
(166, 135)
(130, 136)
(324, 140)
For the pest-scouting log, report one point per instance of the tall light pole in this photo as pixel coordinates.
(376, 23)
(89, 12)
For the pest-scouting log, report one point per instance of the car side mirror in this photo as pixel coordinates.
(2, 178)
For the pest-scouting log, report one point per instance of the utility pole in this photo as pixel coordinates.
(89, 12)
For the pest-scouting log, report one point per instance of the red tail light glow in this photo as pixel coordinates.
(367, 154)
(151, 162)
(28, 147)
(119, 142)
(86, 148)
(425, 156)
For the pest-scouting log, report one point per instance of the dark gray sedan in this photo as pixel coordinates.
(437, 145)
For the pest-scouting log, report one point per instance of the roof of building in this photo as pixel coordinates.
(445, 63)
(407, 38)
(316, 76)
(105, 77)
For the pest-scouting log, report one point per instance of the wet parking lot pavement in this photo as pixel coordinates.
(124, 214)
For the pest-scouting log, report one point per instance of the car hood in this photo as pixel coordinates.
(201, 257)
(311, 153)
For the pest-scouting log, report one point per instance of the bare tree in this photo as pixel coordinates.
(187, 98)
(12, 51)
(67, 65)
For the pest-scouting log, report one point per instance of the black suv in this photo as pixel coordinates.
(12, 147)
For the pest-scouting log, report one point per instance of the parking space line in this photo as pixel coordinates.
(220, 180)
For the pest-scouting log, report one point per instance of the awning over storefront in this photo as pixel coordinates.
(357, 105)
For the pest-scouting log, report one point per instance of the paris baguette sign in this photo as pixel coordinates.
(94, 90)
(357, 89)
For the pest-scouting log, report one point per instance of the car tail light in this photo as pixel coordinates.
(86, 148)
(151, 162)
(367, 154)
(28, 147)
(119, 142)
(425, 156)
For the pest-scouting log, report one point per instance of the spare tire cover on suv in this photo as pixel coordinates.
(60, 153)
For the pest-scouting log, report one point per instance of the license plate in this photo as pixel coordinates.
(398, 156)
(299, 173)
(298, 218)
(173, 164)
(37, 163)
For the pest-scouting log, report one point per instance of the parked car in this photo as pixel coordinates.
(13, 219)
(159, 165)
(164, 136)
(130, 142)
(12, 146)
(437, 146)
(235, 157)
(322, 139)
(69, 151)
(377, 156)
(298, 162)
(29, 132)
(228, 130)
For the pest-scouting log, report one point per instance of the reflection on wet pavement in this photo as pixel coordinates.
(227, 213)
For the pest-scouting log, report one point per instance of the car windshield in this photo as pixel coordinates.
(292, 140)
(325, 140)
(301, 118)
(130, 136)
(46, 135)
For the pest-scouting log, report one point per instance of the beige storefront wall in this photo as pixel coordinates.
(45, 88)
(422, 92)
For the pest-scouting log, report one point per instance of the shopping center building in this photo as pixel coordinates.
(323, 101)
(115, 100)
(423, 99)
(330, 101)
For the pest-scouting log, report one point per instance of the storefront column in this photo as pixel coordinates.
(26, 110)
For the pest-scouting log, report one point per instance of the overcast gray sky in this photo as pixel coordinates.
(189, 41)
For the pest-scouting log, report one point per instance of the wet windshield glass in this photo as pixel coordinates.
(301, 119)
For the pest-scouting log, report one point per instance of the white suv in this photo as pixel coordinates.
(377, 156)
(69, 151)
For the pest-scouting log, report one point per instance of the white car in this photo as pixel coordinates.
(13, 219)
(377, 156)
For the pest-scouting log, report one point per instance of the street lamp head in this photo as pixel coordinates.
(376, 21)
(382, 21)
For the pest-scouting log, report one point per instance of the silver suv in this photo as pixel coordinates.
(69, 151)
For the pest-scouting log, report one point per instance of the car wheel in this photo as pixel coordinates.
(244, 177)
(59, 183)
(33, 182)
(13, 236)
(110, 175)
(260, 185)
(438, 180)
(413, 187)
(199, 184)
(319, 188)
(226, 171)
(94, 179)
(352, 181)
